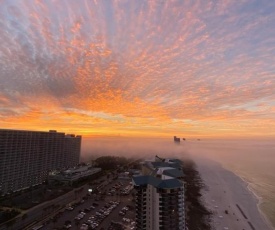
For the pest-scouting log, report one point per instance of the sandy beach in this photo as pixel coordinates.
(233, 205)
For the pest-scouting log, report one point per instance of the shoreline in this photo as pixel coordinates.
(254, 193)
(230, 198)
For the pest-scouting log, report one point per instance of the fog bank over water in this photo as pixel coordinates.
(253, 160)
(130, 147)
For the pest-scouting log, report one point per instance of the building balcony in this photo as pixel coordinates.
(140, 204)
(141, 210)
(170, 204)
(141, 218)
(180, 204)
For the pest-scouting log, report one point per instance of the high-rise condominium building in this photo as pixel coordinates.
(160, 195)
(26, 157)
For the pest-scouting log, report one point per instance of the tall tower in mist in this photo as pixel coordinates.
(176, 139)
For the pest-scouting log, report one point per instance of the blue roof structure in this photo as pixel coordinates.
(157, 164)
(173, 173)
(157, 182)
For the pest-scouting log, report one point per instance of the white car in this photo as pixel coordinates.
(84, 227)
(80, 216)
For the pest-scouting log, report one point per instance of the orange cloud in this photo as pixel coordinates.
(138, 67)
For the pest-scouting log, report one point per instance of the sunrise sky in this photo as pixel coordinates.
(139, 68)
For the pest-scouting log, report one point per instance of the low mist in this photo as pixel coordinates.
(252, 160)
(130, 147)
(226, 152)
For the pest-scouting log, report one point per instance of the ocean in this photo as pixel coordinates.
(253, 161)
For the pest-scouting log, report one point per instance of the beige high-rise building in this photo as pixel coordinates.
(160, 195)
(26, 157)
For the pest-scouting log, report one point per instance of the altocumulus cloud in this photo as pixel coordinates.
(138, 67)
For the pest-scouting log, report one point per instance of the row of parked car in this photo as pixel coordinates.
(94, 220)
(123, 211)
(129, 222)
(114, 189)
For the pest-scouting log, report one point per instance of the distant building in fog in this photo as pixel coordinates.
(26, 157)
(176, 139)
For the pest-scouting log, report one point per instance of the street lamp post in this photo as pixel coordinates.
(90, 190)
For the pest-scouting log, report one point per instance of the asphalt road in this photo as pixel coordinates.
(114, 215)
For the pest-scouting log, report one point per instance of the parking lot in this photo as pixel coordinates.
(111, 208)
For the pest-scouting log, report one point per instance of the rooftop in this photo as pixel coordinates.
(157, 182)
(161, 173)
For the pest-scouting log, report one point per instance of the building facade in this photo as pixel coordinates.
(26, 157)
(160, 196)
(72, 150)
(72, 175)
